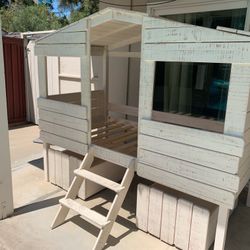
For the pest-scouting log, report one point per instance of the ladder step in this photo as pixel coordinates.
(89, 215)
(116, 187)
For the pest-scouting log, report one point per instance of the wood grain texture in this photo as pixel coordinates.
(155, 212)
(142, 207)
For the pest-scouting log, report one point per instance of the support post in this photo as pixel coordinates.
(85, 81)
(6, 196)
(221, 229)
(43, 92)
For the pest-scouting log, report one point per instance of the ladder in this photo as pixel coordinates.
(105, 224)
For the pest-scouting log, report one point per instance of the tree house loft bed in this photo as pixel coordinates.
(204, 158)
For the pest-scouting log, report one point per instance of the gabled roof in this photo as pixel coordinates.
(109, 27)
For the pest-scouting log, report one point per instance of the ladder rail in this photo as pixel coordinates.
(68, 202)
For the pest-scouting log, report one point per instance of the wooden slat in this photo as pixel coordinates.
(64, 38)
(198, 52)
(190, 34)
(116, 187)
(142, 206)
(194, 188)
(64, 120)
(190, 170)
(63, 108)
(194, 137)
(89, 215)
(73, 146)
(74, 50)
(62, 131)
(185, 120)
(112, 156)
(183, 222)
(211, 159)
(238, 100)
(155, 211)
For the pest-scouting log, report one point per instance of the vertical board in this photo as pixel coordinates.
(155, 210)
(169, 208)
(15, 79)
(183, 223)
(52, 167)
(6, 196)
(142, 207)
(58, 167)
(65, 171)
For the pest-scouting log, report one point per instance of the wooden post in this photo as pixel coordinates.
(85, 81)
(105, 63)
(6, 196)
(221, 229)
(43, 92)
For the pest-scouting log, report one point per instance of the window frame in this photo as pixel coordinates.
(194, 6)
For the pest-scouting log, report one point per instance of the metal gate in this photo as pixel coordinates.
(15, 80)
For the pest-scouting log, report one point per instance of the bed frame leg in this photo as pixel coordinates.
(248, 196)
(45, 161)
(221, 229)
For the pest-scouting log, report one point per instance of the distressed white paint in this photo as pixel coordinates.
(6, 196)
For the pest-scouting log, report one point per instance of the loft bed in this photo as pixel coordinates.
(205, 158)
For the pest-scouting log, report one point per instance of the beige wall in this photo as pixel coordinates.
(6, 198)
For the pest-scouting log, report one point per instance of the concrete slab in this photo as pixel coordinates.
(36, 203)
(22, 148)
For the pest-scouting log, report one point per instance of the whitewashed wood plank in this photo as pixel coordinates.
(169, 209)
(183, 223)
(190, 34)
(62, 131)
(185, 152)
(238, 100)
(150, 22)
(128, 16)
(72, 50)
(42, 76)
(63, 120)
(155, 211)
(190, 170)
(76, 147)
(65, 171)
(142, 207)
(146, 89)
(198, 52)
(64, 38)
(52, 166)
(203, 226)
(112, 156)
(63, 108)
(198, 138)
(182, 184)
(221, 229)
(58, 167)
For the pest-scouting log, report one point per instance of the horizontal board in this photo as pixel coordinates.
(211, 159)
(63, 120)
(189, 121)
(62, 131)
(198, 138)
(190, 34)
(63, 108)
(72, 50)
(70, 145)
(198, 52)
(194, 188)
(65, 38)
(190, 170)
(112, 156)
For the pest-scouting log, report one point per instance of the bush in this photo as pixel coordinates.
(20, 18)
